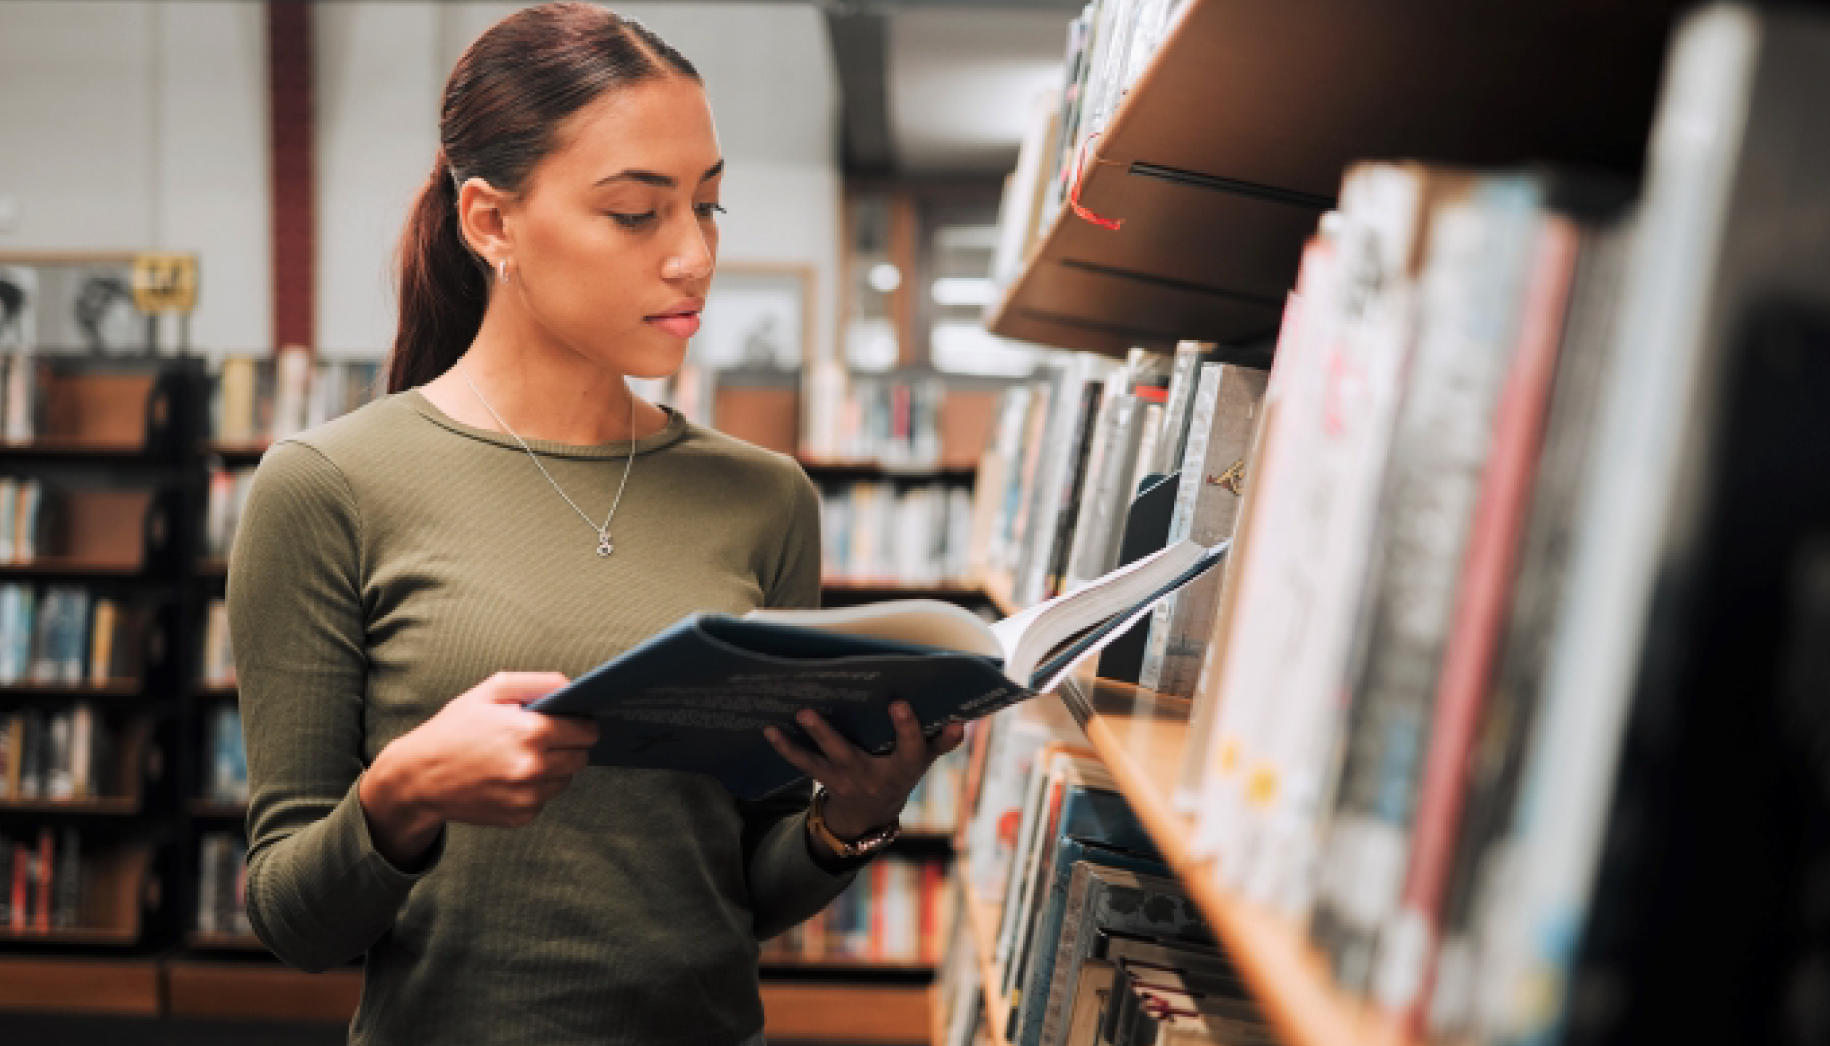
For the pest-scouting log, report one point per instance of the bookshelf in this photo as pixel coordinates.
(982, 923)
(1284, 97)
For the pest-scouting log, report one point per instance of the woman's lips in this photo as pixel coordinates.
(680, 325)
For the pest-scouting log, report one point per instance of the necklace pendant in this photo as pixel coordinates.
(604, 547)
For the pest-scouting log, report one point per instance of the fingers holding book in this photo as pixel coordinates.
(867, 791)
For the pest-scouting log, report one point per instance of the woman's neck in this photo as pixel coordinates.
(540, 390)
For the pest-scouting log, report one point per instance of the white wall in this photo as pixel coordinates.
(134, 125)
(143, 123)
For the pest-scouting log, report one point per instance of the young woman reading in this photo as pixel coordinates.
(407, 577)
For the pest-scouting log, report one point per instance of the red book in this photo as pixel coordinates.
(933, 893)
(41, 913)
(1483, 592)
(22, 877)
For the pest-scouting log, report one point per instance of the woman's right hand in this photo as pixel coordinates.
(482, 759)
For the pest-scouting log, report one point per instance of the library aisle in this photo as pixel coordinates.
(1355, 472)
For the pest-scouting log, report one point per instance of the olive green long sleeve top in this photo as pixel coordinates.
(393, 559)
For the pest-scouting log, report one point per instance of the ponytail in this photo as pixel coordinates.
(443, 288)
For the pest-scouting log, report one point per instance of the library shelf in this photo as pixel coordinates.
(213, 567)
(982, 923)
(997, 588)
(107, 688)
(1231, 144)
(237, 453)
(216, 809)
(836, 468)
(77, 448)
(101, 806)
(112, 986)
(203, 940)
(901, 589)
(846, 1013)
(1140, 736)
(215, 692)
(74, 567)
(831, 964)
(260, 991)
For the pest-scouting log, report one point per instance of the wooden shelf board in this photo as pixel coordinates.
(110, 688)
(251, 991)
(112, 805)
(982, 923)
(1232, 143)
(867, 584)
(846, 1013)
(217, 808)
(216, 692)
(74, 446)
(237, 452)
(203, 941)
(61, 565)
(1142, 744)
(788, 964)
(115, 986)
(74, 935)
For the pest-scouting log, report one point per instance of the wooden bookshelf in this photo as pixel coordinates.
(113, 568)
(845, 1013)
(223, 942)
(835, 468)
(982, 923)
(901, 589)
(112, 986)
(997, 588)
(237, 453)
(835, 964)
(107, 805)
(1232, 143)
(260, 991)
(73, 691)
(76, 448)
(1140, 739)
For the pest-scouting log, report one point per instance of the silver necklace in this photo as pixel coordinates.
(604, 545)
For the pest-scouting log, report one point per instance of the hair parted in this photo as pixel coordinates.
(503, 104)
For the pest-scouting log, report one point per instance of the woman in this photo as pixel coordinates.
(407, 577)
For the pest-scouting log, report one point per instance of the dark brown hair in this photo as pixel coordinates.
(505, 100)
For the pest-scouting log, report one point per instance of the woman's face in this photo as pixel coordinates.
(612, 242)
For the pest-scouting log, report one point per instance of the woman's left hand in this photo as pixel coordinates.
(867, 791)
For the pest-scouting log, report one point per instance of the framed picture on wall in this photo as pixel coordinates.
(756, 317)
(70, 303)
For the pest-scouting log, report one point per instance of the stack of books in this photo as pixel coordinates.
(892, 419)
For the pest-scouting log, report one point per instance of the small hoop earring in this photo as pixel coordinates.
(502, 270)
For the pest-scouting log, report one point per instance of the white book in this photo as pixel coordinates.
(82, 748)
(9, 509)
(292, 390)
(1090, 521)
(21, 397)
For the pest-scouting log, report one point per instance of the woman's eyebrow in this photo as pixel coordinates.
(665, 181)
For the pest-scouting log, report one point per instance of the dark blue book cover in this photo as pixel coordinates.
(696, 696)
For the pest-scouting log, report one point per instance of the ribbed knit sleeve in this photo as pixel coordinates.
(318, 892)
(787, 885)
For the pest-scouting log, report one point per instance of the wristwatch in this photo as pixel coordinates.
(863, 846)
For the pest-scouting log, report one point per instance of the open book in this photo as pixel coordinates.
(697, 695)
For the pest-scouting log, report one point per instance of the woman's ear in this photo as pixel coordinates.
(482, 220)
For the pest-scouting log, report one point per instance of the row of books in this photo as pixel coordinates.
(21, 412)
(895, 911)
(934, 804)
(1084, 904)
(67, 754)
(64, 634)
(228, 497)
(896, 532)
(222, 884)
(44, 880)
(1081, 454)
(259, 399)
(226, 772)
(892, 419)
(1108, 46)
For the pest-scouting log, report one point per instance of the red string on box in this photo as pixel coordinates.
(1074, 194)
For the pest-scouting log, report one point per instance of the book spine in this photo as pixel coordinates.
(101, 642)
(1473, 634)
(1079, 449)
(1472, 293)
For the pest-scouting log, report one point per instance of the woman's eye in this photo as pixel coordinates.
(705, 209)
(633, 221)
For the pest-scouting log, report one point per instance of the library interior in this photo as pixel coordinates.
(1340, 401)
